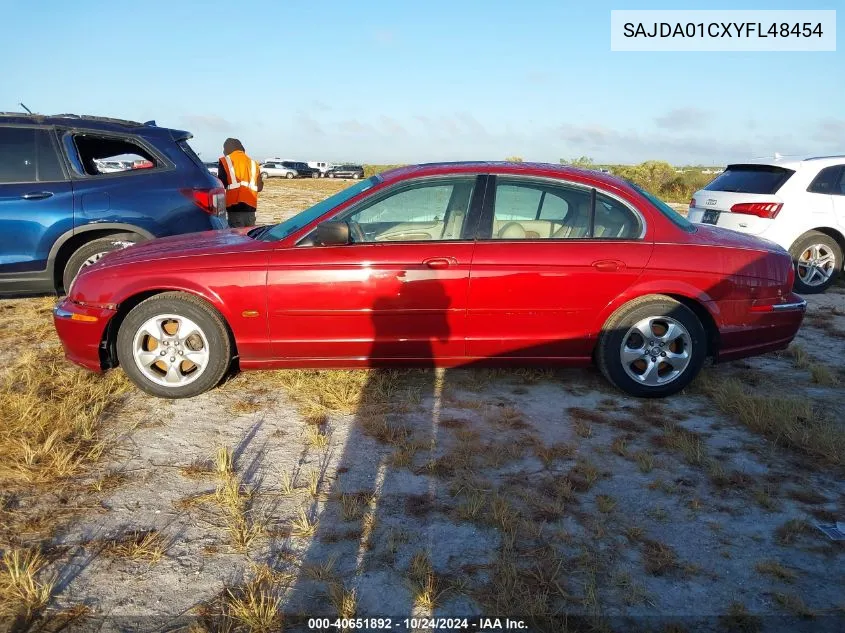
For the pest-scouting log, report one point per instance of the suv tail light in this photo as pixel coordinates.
(767, 210)
(212, 201)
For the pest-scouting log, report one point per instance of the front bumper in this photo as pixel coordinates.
(80, 329)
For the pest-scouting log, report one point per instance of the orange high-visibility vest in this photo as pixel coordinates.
(242, 176)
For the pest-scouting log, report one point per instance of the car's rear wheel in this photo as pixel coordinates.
(289, 175)
(818, 261)
(174, 345)
(652, 347)
(331, 175)
(355, 176)
(92, 252)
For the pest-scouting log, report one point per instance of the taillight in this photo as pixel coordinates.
(212, 201)
(767, 210)
(692, 203)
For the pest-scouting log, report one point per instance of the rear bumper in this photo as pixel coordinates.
(763, 329)
(81, 328)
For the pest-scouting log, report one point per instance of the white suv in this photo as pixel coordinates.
(799, 204)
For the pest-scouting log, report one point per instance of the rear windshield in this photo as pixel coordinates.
(765, 179)
(675, 217)
(193, 155)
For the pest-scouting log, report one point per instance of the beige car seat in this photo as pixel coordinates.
(512, 231)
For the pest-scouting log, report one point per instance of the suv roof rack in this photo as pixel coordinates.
(79, 117)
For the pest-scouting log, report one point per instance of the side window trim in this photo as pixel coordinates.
(490, 210)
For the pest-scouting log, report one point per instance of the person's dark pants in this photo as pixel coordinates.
(240, 215)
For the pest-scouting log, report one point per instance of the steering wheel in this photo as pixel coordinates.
(355, 232)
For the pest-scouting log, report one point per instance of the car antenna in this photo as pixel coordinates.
(25, 108)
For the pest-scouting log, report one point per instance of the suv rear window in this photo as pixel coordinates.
(763, 179)
(95, 152)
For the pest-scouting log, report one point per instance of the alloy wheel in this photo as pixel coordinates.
(171, 350)
(816, 265)
(656, 350)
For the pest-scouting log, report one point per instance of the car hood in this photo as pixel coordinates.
(191, 244)
(716, 236)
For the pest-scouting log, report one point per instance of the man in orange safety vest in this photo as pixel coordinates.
(241, 178)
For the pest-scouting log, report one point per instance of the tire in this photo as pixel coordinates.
(288, 175)
(817, 258)
(92, 251)
(264, 175)
(331, 175)
(205, 340)
(630, 371)
(355, 176)
(315, 174)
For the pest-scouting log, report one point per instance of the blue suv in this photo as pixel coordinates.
(73, 188)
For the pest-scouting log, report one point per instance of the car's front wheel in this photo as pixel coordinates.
(652, 347)
(818, 260)
(289, 175)
(264, 175)
(174, 345)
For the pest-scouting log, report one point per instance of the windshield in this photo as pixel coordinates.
(283, 229)
(666, 210)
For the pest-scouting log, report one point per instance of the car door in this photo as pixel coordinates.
(36, 201)
(398, 291)
(550, 255)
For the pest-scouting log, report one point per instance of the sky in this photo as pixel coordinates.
(399, 82)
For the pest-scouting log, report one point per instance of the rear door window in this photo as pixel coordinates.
(17, 155)
(104, 155)
(830, 181)
(28, 155)
(759, 179)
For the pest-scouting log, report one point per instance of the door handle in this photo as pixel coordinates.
(608, 265)
(37, 195)
(440, 262)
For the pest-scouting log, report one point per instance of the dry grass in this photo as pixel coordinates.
(789, 421)
(791, 531)
(316, 437)
(255, 606)
(794, 604)
(426, 588)
(24, 591)
(302, 525)
(343, 599)
(822, 375)
(52, 411)
(644, 460)
(659, 559)
(776, 570)
(137, 545)
(738, 619)
(799, 356)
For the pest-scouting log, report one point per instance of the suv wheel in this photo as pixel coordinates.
(818, 260)
(264, 175)
(289, 175)
(652, 347)
(174, 345)
(91, 252)
(355, 176)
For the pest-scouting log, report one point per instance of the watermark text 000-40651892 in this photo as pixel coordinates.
(800, 30)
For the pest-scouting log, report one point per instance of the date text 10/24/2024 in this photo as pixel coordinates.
(416, 624)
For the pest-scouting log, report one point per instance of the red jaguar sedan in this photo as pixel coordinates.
(449, 264)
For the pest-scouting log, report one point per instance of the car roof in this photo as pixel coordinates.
(552, 170)
(795, 162)
(104, 124)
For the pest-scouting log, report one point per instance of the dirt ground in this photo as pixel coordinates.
(542, 495)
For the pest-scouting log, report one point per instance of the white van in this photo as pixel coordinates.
(323, 166)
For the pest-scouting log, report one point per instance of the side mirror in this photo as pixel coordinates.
(331, 234)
